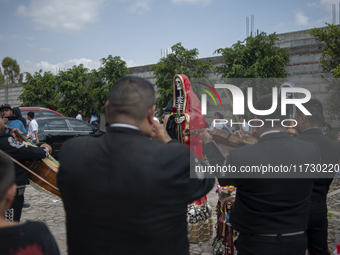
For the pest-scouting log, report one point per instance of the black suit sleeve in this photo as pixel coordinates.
(199, 188)
(216, 158)
(200, 183)
(20, 151)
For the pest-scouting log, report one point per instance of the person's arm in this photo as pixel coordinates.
(11, 118)
(35, 130)
(36, 137)
(21, 151)
(22, 128)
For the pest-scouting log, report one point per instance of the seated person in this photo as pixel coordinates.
(15, 238)
(244, 121)
(217, 123)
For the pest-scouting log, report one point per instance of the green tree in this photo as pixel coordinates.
(180, 61)
(39, 90)
(329, 37)
(73, 91)
(2, 78)
(101, 81)
(11, 70)
(255, 57)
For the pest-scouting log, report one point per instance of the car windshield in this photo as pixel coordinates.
(78, 125)
(55, 125)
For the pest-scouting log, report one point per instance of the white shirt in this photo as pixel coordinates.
(79, 117)
(123, 125)
(93, 118)
(218, 125)
(33, 126)
(246, 126)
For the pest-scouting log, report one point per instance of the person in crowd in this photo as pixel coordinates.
(269, 214)
(94, 120)
(217, 123)
(15, 238)
(150, 178)
(6, 111)
(309, 128)
(32, 128)
(16, 115)
(20, 152)
(79, 116)
(244, 121)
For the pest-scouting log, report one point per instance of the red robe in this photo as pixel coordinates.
(193, 118)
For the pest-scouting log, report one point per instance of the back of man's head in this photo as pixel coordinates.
(265, 103)
(7, 175)
(31, 115)
(315, 107)
(131, 97)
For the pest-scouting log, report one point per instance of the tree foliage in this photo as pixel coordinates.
(180, 61)
(39, 90)
(255, 57)
(75, 89)
(330, 62)
(11, 70)
(330, 37)
(101, 81)
(73, 92)
(2, 78)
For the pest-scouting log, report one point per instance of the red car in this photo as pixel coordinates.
(39, 112)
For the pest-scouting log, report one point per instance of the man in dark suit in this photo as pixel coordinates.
(309, 128)
(138, 188)
(270, 214)
(21, 152)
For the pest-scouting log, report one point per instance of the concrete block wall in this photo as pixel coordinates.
(9, 94)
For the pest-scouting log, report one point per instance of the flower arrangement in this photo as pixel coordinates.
(225, 191)
(175, 112)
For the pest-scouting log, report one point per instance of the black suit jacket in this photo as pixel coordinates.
(127, 194)
(269, 206)
(330, 155)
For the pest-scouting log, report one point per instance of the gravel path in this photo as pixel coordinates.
(49, 209)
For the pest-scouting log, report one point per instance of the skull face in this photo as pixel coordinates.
(229, 205)
(191, 213)
(178, 83)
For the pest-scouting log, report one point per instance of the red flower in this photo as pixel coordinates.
(174, 109)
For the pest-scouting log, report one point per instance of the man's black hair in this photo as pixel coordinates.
(7, 174)
(315, 107)
(131, 96)
(30, 114)
(220, 115)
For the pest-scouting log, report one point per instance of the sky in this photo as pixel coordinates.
(54, 35)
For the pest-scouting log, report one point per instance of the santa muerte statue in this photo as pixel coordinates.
(186, 114)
